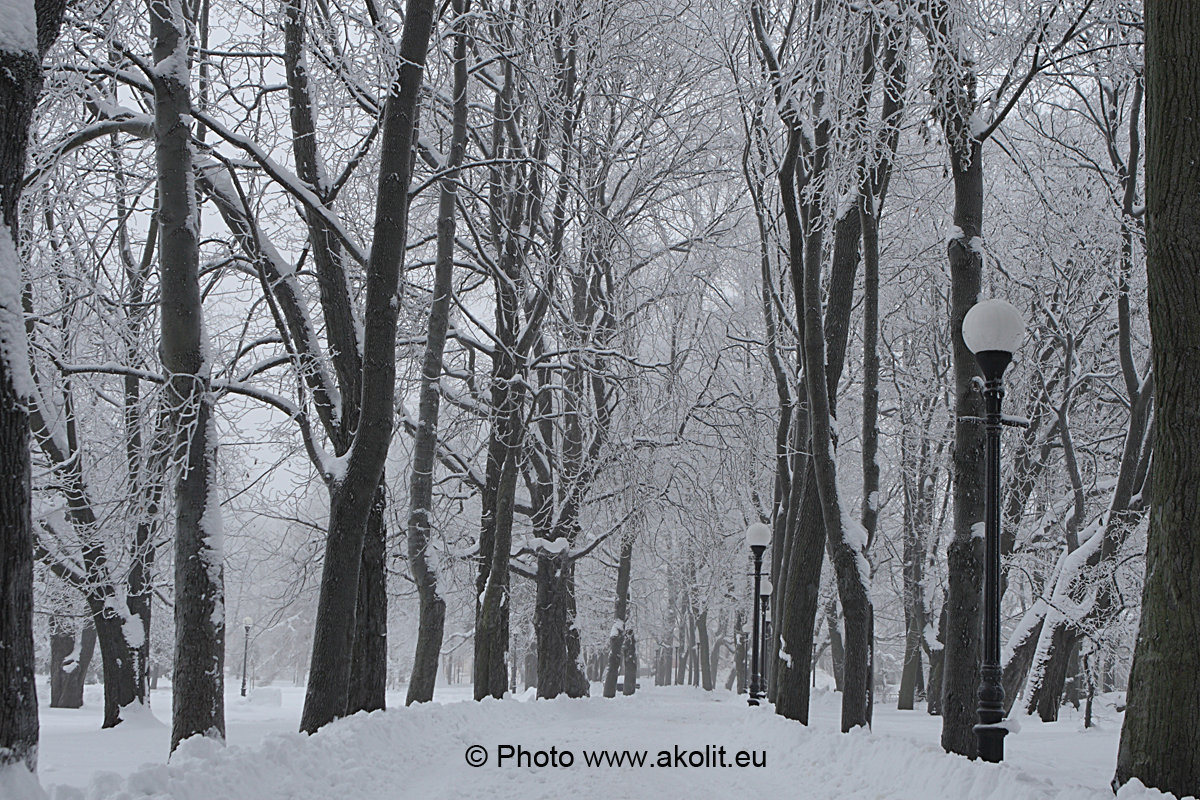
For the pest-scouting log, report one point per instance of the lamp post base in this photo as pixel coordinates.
(991, 742)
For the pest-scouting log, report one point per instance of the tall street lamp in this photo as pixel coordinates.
(246, 623)
(992, 330)
(764, 600)
(758, 536)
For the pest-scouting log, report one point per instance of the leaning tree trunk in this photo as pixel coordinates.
(199, 706)
(804, 533)
(1159, 741)
(352, 495)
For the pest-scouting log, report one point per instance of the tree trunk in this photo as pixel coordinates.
(492, 617)
(368, 665)
(118, 661)
(616, 639)
(432, 607)
(1018, 654)
(352, 494)
(960, 677)
(577, 683)
(837, 651)
(630, 666)
(199, 706)
(69, 662)
(1160, 743)
(937, 663)
(20, 86)
(702, 650)
(910, 676)
(550, 622)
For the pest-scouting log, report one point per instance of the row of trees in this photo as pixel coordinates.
(625, 279)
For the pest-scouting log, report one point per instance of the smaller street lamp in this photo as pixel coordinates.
(764, 598)
(758, 536)
(992, 330)
(246, 623)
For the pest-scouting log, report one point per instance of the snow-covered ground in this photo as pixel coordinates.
(422, 752)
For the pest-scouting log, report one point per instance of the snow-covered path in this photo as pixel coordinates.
(421, 753)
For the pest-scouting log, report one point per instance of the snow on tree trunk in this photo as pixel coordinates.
(955, 104)
(27, 32)
(199, 703)
(432, 612)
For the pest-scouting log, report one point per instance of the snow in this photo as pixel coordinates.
(18, 34)
(14, 352)
(554, 546)
(212, 529)
(19, 783)
(419, 752)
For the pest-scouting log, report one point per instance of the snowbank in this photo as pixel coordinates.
(420, 752)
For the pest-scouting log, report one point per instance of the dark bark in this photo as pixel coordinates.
(492, 614)
(937, 663)
(616, 642)
(368, 665)
(1160, 738)
(352, 494)
(576, 683)
(368, 678)
(960, 678)
(69, 664)
(432, 607)
(118, 661)
(199, 706)
(20, 86)
(629, 663)
(703, 654)
(550, 622)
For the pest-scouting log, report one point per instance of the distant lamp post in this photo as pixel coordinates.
(992, 330)
(758, 536)
(246, 623)
(764, 599)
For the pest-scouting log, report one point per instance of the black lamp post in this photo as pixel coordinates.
(246, 623)
(992, 330)
(758, 536)
(764, 610)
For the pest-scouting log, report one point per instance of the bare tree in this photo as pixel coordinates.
(433, 607)
(353, 492)
(33, 32)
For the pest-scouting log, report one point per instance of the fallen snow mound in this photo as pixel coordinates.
(421, 752)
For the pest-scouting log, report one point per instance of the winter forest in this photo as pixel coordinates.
(366, 355)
